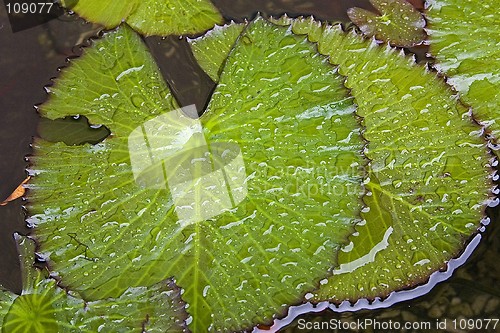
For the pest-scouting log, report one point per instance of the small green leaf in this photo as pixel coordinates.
(399, 23)
(211, 50)
(150, 17)
(428, 178)
(245, 207)
(465, 41)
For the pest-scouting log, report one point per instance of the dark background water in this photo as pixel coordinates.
(30, 58)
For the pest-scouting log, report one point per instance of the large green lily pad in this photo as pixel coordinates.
(428, 177)
(150, 17)
(246, 207)
(464, 40)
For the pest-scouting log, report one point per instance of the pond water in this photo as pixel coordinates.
(30, 58)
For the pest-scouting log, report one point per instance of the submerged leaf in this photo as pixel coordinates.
(44, 307)
(399, 23)
(245, 207)
(465, 41)
(428, 179)
(150, 17)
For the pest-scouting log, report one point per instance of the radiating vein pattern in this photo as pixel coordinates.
(428, 176)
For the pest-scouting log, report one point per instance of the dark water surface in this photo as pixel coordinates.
(30, 58)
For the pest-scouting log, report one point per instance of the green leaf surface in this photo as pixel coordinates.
(211, 50)
(428, 176)
(464, 40)
(399, 23)
(44, 307)
(150, 17)
(245, 207)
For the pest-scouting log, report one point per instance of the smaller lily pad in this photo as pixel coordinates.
(428, 180)
(211, 50)
(399, 23)
(150, 17)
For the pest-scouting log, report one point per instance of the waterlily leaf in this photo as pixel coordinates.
(465, 42)
(150, 17)
(44, 307)
(245, 207)
(428, 180)
(399, 23)
(34, 310)
(211, 50)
